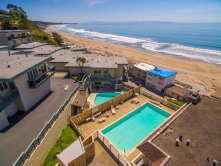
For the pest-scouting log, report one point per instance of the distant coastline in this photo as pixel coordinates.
(189, 71)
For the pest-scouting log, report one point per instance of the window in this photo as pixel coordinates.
(160, 83)
(149, 78)
(161, 78)
(3, 86)
(14, 42)
(154, 75)
(144, 77)
(95, 71)
(98, 72)
(97, 83)
(105, 72)
(150, 74)
(144, 72)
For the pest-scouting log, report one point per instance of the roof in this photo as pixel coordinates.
(19, 65)
(217, 94)
(144, 66)
(44, 50)
(151, 151)
(178, 89)
(72, 152)
(162, 72)
(93, 61)
(29, 45)
(10, 31)
(202, 125)
(81, 101)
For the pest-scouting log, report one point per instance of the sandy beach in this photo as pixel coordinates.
(189, 71)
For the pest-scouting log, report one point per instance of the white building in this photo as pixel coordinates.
(24, 81)
(139, 71)
(160, 78)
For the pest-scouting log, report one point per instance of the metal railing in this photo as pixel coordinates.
(9, 98)
(33, 84)
(112, 150)
(36, 141)
(104, 78)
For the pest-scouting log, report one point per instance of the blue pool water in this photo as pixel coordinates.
(102, 97)
(129, 131)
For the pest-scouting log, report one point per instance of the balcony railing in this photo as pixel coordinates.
(35, 83)
(20, 37)
(9, 98)
(104, 78)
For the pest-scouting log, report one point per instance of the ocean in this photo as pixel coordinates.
(195, 41)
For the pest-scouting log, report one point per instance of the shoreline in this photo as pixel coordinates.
(190, 71)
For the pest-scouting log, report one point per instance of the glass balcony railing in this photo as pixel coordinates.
(35, 83)
(9, 98)
(104, 78)
(20, 37)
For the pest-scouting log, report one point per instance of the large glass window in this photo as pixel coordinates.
(1, 87)
(5, 85)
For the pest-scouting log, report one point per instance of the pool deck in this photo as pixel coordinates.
(88, 128)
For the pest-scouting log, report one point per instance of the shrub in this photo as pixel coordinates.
(177, 102)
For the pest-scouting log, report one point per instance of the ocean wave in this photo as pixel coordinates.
(211, 56)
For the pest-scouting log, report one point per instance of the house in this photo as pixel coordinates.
(103, 69)
(5, 16)
(176, 91)
(24, 81)
(159, 78)
(14, 37)
(139, 71)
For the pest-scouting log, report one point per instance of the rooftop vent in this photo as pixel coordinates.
(97, 60)
(8, 66)
(115, 62)
(9, 53)
(26, 55)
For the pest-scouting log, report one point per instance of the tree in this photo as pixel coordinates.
(6, 24)
(57, 37)
(80, 61)
(22, 13)
(12, 7)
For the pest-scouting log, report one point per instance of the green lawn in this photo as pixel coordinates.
(177, 102)
(67, 136)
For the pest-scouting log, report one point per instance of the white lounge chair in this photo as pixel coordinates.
(113, 111)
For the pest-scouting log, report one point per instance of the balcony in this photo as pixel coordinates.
(20, 37)
(9, 98)
(103, 78)
(35, 83)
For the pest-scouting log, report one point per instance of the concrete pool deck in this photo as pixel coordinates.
(88, 128)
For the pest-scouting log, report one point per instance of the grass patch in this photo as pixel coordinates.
(78, 76)
(67, 136)
(177, 102)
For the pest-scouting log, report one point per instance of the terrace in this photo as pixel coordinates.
(87, 128)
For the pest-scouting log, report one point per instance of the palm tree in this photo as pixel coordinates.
(80, 61)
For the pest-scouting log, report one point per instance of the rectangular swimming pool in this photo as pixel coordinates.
(129, 131)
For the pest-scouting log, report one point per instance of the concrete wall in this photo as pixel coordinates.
(169, 81)
(3, 121)
(80, 161)
(118, 73)
(4, 39)
(74, 71)
(59, 67)
(11, 109)
(29, 96)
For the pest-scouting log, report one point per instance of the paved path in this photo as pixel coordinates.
(25, 126)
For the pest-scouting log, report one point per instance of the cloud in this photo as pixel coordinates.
(92, 3)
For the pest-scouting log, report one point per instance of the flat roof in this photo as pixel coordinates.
(29, 45)
(162, 72)
(43, 50)
(82, 100)
(19, 65)
(72, 152)
(10, 31)
(180, 90)
(202, 125)
(6, 52)
(92, 60)
(144, 66)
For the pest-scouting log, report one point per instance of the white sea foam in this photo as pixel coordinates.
(212, 56)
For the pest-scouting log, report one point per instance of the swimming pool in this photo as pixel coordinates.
(129, 131)
(102, 97)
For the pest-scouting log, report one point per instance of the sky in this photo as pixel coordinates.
(78, 11)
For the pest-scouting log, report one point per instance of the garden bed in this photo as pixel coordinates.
(177, 102)
(67, 136)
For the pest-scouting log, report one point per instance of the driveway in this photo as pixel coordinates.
(25, 126)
